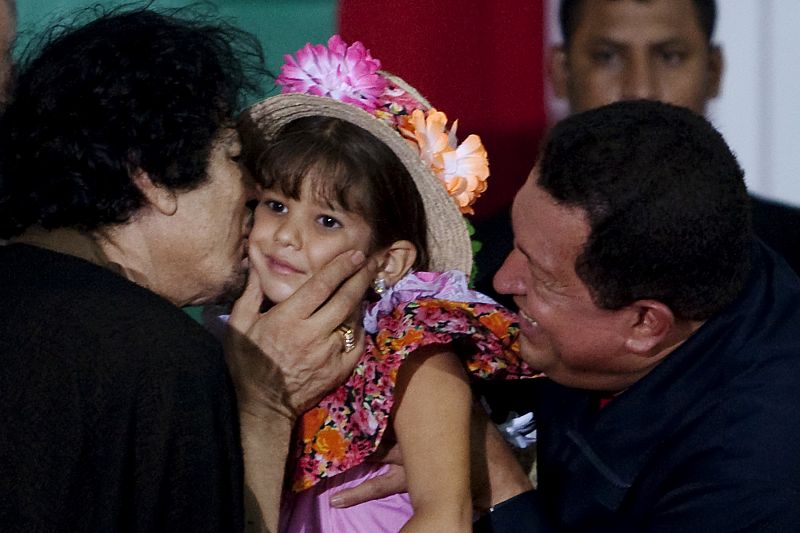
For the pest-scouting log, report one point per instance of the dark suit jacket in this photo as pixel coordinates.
(706, 442)
(778, 225)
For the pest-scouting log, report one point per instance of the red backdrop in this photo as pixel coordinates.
(478, 61)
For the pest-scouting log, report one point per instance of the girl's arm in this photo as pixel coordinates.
(432, 424)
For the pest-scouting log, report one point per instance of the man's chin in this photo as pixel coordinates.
(535, 356)
(232, 288)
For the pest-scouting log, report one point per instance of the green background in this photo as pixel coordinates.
(282, 26)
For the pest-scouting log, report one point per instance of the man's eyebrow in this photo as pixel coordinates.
(672, 41)
(602, 40)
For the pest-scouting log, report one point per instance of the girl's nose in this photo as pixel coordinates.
(289, 234)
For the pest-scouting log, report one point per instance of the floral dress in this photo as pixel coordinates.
(334, 439)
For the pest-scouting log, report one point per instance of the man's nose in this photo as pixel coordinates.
(639, 79)
(508, 279)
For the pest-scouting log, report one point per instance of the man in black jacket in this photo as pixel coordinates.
(124, 197)
(668, 334)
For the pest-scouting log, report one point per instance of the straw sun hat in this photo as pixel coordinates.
(381, 104)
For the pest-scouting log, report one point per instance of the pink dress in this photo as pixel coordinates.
(334, 439)
(309, 511)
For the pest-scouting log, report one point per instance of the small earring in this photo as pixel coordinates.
(379, 285)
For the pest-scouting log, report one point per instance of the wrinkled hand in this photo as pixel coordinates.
(289, 357)
(392, 482)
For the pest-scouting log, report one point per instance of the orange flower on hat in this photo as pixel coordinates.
(463, 169)
(428, 133)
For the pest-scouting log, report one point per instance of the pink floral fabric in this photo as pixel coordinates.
(349, 424)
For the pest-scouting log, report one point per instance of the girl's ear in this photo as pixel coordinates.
(396, 261)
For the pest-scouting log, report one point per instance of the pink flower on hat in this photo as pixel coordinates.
(346, 73)
(351, 75)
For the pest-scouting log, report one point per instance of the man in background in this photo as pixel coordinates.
(662, 50)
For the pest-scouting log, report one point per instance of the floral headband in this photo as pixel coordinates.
(351, 75)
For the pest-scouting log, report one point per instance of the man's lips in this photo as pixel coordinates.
(527, 325)
(528, 318)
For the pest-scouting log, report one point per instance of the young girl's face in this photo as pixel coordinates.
(298, 237)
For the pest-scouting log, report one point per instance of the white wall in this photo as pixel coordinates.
(758, 110)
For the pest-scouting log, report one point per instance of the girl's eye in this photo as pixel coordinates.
(275, 206)
(329, 222)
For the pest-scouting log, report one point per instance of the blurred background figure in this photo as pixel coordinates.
(657, 50)
(613, 50)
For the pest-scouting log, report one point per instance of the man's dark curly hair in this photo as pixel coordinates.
(666, 203)
(131, 89)
(570, 11)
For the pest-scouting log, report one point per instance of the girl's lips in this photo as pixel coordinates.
(281, 267)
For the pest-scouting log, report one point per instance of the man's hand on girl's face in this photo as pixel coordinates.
(292, 355)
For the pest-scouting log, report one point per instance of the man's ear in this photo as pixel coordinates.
(558, 70)
(651, 323)
(158, 196)
(716, 68)
(396, 260)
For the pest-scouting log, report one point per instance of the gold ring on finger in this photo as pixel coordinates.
(348, 336)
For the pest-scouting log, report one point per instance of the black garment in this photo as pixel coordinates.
(775, 223)
(116, 409)
(706, 442)
(778, 225)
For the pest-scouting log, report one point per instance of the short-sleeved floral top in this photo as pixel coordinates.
(423, 309)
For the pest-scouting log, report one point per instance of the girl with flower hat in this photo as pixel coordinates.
(350, 157)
